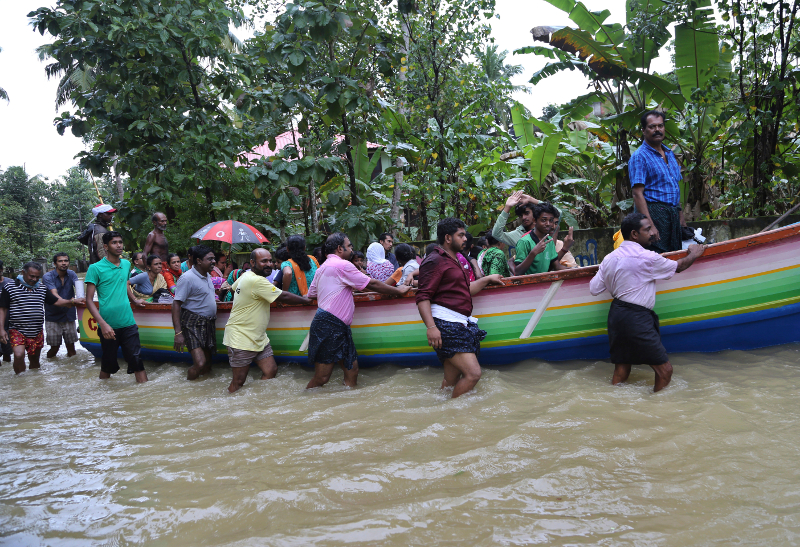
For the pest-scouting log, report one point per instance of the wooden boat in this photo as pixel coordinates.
(742, 294)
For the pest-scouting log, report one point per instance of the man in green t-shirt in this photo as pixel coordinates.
(116, 325)
(536, 250)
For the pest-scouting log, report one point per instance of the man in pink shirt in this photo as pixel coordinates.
(630, 274)
(330, 337)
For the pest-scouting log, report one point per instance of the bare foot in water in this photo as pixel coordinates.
(52, 352)
(196, 371)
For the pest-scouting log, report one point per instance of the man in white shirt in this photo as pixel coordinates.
(630, 273)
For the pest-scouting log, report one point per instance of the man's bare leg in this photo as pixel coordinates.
(663, 375)
(239, 378)
(202, 363)
(350, 376)
(621, 373)
(105, 375)
(70, 350)
(19, 359)
(470, 370)
(451, 374)
(322, 373)
(268, 366)
(141, 376)
(54, 350)
(33, 360)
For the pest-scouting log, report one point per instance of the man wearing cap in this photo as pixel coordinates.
(103, 215)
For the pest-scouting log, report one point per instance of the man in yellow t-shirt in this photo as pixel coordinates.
(246, 330)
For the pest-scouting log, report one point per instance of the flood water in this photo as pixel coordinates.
(539, 454)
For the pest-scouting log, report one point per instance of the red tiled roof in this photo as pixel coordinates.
(281, 141)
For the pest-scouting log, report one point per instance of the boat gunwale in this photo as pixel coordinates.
(714, 249)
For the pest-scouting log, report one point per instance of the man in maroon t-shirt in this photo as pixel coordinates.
(444, 300)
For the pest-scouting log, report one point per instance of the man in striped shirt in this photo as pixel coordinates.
(655, 176)
(23, 303)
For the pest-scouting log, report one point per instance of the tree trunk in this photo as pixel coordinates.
(423, 218)
(622, 188)
(312, 205)
(351, 173)
(118, 180)
(396, 195)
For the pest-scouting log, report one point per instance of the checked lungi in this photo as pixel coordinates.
(458, 338)
(330, 340)
(199, 331)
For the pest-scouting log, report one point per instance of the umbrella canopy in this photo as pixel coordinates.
(230, 231)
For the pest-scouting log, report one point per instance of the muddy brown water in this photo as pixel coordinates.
(540, 454)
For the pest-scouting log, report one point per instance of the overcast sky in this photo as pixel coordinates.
(28, 136)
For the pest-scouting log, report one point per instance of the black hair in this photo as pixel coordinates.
(108, 236)
(281, 253)
(234, 264)
(630, 223)
(357, 254)
(170, 256)
(470, 239)
(544, 207)
(57, 255)
(318, 254)
(520, 208)
(151, 258)
(384, 235)
(135, 256)
(404, 252)
(643, 119)
(1, 264)
(490, 239)
(334, 241)
(217, 256)
(429, 249)
(153, 218)
(32, 265)
(199, 251)
(447, 227)
(296, 247)
(481, 241)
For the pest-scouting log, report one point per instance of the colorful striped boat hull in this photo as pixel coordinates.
(742, 294)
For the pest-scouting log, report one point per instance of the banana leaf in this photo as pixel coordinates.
(543, 156)
(523, 127)
(696, 55)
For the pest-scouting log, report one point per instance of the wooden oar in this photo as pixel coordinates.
(537, 315)
(786, 214)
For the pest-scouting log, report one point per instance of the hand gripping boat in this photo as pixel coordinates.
(741, 294)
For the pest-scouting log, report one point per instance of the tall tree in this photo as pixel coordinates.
(157, 107)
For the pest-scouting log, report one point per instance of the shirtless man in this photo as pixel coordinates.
(156, 243)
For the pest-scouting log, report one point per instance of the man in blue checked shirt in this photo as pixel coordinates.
(655, 176)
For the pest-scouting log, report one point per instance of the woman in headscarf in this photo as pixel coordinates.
(172, 272)
(146, 284)
(377, 266)
(299, 270)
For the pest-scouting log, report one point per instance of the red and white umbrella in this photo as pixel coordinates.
(230, 231)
